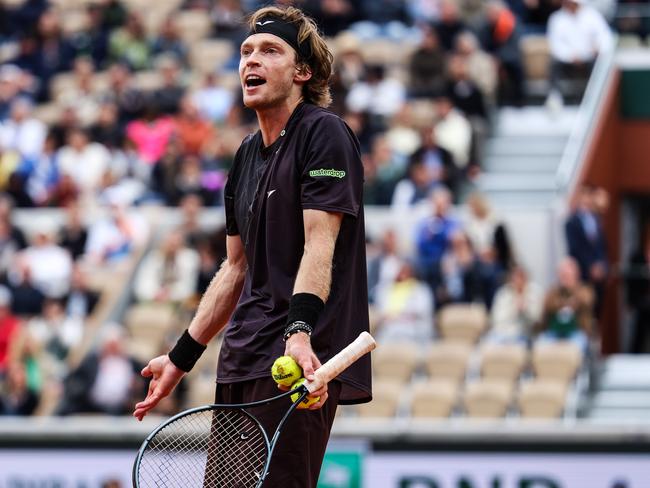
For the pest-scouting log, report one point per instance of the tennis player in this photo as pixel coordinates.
(294, 281)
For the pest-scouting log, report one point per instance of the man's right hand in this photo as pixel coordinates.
(164, 378)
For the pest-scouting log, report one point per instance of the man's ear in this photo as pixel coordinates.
(303, 73)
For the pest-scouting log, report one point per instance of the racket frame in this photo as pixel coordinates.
(270, 443)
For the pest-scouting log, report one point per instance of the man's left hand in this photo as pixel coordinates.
(298, 346)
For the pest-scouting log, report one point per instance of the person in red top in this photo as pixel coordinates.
(192, 129)
(9, 326)
(150, 133)
(500, 36)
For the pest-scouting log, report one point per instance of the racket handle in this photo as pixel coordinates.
(340, 362)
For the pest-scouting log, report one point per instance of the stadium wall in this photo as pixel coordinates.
(616, 158)
(76, 453)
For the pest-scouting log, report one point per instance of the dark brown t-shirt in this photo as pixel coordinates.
(314, 164)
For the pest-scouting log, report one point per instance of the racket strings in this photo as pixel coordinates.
(222, 448)
(240, 452)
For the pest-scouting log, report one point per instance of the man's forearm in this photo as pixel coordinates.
(218, 303)
(315, 271)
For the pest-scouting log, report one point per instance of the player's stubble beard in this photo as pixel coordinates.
(274, 94)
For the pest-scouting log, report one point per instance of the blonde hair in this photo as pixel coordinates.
(479, 204)
(316, 90)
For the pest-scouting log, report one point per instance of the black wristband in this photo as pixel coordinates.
(305, 307)
(186, 352)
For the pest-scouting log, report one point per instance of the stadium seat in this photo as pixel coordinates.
(395, 362)
(556, 361)
(487, 398)
(503, 361)
(100, 82)
(462, 322)
(385, 400)
(421, 112)
(48, 113)
(210, 55)
(143, 349)
(433, 399)
(386, 52)
(629, 41)
(137, 5)
(541, 399)
(193, 25)
(154, 20)
(157, 315)
(62, 83)
(536, 56)
(67, 5)
(147, 80)
(12, 3)
(150, 322)
(448, 360)
(74, 21)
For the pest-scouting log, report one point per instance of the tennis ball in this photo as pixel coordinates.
(285, 371)
(307, 401)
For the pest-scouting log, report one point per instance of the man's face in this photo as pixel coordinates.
(571, 6)
(518, 280)
(267, 70)
(585, 200)
(441, 204)
(568, 274)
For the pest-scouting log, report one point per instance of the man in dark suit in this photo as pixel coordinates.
(587, 244)
(81, 300)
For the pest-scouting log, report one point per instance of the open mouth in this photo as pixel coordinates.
(254, 80)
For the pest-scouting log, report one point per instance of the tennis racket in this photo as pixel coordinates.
(225, 446)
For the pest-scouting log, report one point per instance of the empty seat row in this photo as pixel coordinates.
(489, 398)
(451, 360)
(205, 56)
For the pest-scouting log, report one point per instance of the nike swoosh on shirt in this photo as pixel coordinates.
(269, 193)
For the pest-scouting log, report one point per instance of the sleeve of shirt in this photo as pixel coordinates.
(229, 197)
(229, 204)
(332, 175)
(557, 39)
(603, 35)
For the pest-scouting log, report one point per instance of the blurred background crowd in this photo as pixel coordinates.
(112, 113)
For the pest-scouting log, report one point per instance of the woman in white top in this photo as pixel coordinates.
(516, 309)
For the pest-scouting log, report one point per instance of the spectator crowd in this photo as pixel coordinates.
(469, 259)
(105, 110)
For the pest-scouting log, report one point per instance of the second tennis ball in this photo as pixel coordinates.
(285, 371)
(307, 401)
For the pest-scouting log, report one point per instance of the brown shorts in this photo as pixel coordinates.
(298, 454)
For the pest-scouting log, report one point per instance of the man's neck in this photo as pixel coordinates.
(273, 120)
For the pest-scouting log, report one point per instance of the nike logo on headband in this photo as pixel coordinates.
(285, 30)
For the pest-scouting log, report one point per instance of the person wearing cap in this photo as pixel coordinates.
(9, 88)
(577, 34)
(294, 280)
(47, 264)
(22, 132)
